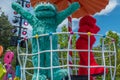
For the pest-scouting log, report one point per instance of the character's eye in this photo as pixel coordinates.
(48, 3)
(41, 2)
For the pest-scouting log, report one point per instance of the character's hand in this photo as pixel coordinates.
(75, 4)
(16, 6)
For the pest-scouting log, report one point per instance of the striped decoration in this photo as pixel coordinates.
(70, 52)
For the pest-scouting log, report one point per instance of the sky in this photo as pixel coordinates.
(111, 20)
(107, 19)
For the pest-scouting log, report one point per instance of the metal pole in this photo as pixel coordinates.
(19, 33)
(20, 23)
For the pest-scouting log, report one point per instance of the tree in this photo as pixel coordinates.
(5, 31)
(116, 38)
(63, 40)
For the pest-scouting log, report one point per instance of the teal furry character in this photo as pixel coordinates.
(46, 18)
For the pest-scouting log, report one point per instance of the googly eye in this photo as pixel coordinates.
(48, 3)
(44, 3)
(40, 2)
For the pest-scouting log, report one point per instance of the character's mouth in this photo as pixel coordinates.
(44, 10)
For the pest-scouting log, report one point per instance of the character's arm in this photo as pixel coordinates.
(94, 29)
(28, 16)
(65, 13)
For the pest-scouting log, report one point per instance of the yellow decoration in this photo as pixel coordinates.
(89, 33)
(109, 43)
(16, 78)
(36, 36)
(2, 71)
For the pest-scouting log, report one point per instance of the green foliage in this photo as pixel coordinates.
(112, 35)
(5, 31)
(63, 40)
(118, 65)
(116, 38)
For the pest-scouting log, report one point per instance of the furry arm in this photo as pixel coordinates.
(19, 9)
(95, 29)
(65, 13)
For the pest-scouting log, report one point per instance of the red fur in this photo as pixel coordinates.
(87, 24)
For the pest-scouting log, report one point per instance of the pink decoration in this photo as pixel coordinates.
(9, 55)
(28, 5)
(26, 23)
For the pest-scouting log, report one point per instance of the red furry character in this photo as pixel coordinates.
(87, 24)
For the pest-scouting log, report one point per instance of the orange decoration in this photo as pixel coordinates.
(87, 7)
(1, 50)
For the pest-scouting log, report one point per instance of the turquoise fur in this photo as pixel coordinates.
(46, 20)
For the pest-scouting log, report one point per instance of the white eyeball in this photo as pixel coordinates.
(42, 2)
(48, 3)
